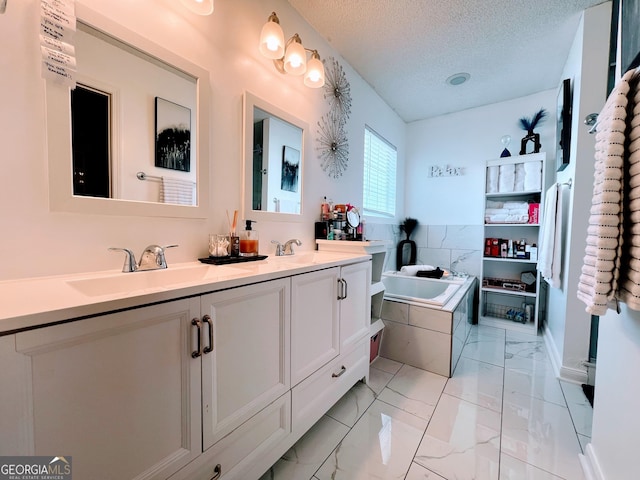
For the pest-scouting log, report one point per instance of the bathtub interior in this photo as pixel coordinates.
(418, 290)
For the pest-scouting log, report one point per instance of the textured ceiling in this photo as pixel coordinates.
(406, 49)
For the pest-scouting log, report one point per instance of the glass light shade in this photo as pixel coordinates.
(272, 40)
(314, 77)
(295, 57)
(199, 7)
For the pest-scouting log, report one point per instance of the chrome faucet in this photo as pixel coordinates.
(152, 259)
(287, 248)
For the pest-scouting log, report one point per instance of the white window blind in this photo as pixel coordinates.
(380, 159)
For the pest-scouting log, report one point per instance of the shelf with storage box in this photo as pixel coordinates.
(511, 290)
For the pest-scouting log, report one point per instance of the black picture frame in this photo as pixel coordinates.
(290, 169)
(563, 125)
(172, 136)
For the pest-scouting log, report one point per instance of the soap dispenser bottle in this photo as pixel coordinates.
(248, 240)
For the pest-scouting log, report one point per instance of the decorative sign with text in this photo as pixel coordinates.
(446, 171)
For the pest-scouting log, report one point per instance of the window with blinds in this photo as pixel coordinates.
(380, 158)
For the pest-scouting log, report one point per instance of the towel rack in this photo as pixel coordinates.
(144, 176)
(568, 183)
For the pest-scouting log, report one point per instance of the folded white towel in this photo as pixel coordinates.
(492, 179)
(494, 204)
(507, 178)
(412, 270)
(532, 176)
(519, 181)
(516, 206)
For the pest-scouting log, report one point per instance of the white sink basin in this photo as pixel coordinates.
(309, 258)
(121, 283)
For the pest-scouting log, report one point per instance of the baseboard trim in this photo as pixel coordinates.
(573, 375)
(554, 355)
(590, 465)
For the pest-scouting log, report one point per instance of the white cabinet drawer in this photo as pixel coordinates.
(316, 394)
(237, 452)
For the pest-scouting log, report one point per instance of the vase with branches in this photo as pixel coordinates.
(528, 124)
(407, 227)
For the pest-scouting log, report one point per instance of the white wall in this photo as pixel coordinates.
(466, 139)
(587, 66)
(615, 435)
(37, 242)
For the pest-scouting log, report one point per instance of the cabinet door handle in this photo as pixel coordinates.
(196, 353)
(342, 370)
(209, 348)
(346, 289)
(341, 289)
(217, 470)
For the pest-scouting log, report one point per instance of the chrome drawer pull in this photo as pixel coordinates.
(196, 353)
(342, 370)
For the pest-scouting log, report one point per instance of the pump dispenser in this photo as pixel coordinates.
(248, 240)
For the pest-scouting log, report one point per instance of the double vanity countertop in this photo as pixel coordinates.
(34, 302)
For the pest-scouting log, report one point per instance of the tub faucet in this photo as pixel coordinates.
(152, 259)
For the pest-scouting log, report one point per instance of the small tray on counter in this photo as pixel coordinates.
(228, 260)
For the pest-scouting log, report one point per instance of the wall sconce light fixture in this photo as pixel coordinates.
(291, 57)
(199, 7)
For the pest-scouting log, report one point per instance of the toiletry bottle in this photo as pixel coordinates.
(248, 240)
(324, 210)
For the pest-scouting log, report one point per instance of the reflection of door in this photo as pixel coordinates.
(258, 170)
(90, 142)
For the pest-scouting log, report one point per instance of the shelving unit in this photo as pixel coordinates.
(505, 300)
(377, 249)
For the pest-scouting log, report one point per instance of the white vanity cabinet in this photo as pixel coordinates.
(315, 334)
(341, 347)
(247, 366)
(120, 393)
(217, 384)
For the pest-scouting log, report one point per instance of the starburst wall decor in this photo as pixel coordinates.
(333, 145)
(333, 142)
(337, 90)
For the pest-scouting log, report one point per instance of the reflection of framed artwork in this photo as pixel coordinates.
(563, 125)
(290, 169)
(173, 135)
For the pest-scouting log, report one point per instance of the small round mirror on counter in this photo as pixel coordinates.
(353, 218)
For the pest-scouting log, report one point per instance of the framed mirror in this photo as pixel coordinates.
(146, 152)
(273, 162)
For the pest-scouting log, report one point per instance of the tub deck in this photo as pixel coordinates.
(428, 335)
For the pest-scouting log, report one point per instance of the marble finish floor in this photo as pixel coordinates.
(502, 416)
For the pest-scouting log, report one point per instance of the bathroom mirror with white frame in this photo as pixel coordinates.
(141, 83)
(273, 162)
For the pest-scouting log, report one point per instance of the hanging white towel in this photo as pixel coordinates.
(598, 284)
(550, 251)
(177, 191)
